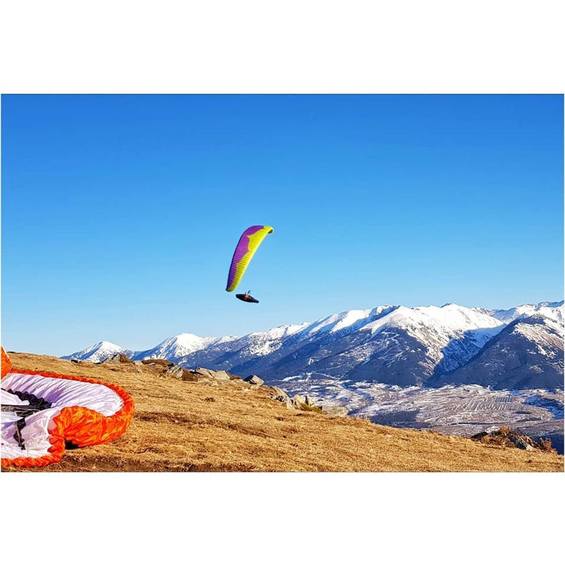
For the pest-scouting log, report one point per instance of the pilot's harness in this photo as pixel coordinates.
(35, 405)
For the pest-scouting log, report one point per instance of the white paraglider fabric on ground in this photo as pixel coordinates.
(59, 393)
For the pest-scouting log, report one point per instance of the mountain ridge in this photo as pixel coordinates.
(395, 345)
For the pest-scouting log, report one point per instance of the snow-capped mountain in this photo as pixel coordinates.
(553, 310)
(389, 344)
(394, 345)
(98, 352)
(227, 352)
(527, 353)
(180, 346)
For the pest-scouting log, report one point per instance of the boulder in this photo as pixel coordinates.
(181, 373)
(298, 401)
(254, 380)
(279, 394)
(201, 372)
(221, 375)
(162, 362)
(505, 437)
(189, 376)
(175, 371)
(522, 442)
(305, 403)
(118, 358)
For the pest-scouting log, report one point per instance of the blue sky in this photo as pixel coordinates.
(120, 213)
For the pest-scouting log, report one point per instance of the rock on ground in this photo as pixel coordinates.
(118, 358)
(254, 380)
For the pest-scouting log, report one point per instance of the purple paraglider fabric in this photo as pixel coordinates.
(246, 247)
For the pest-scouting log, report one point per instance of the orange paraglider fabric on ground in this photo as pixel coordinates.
(45, 411)
(6, 363)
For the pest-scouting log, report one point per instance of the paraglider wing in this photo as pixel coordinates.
(48, 410)
(43, 411)
(248, 244)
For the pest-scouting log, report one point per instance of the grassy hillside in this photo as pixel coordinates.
(232, 426)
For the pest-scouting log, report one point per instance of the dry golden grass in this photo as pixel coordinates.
(198, 426)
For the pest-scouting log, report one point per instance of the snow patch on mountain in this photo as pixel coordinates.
(450, 318)
(348, 320)
(337, 322)
(264, 343)
(537, 333)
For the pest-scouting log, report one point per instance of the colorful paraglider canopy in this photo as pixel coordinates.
(43, 411)
(248, 244)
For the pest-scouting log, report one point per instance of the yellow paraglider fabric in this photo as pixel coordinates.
(248, 244)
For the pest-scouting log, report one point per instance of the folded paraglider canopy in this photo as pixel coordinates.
(43, 411)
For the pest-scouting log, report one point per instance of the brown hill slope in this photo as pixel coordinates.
(198, 426)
